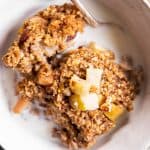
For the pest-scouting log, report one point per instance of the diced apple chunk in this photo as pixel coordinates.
(90, 101)
(115, 112)
(93, 76)
(79, 86)
(84, 98)
(77, 103)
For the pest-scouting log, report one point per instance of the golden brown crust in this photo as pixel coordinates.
(45, 75)
(13, 56)
(29, 89)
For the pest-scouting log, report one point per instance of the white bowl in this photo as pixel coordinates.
(27, 132)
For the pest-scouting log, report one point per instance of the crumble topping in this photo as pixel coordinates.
(43, 35)
(63, 100)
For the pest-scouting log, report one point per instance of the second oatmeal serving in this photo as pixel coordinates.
(88, 92)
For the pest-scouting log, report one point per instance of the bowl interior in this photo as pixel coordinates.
(30, 130)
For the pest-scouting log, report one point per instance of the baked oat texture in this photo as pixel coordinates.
(43, 35)
(76, 128)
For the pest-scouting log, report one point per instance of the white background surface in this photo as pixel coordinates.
(29, 132)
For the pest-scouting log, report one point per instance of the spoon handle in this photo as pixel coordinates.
(89, 18)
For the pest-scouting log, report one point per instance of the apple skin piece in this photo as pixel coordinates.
(115, 112)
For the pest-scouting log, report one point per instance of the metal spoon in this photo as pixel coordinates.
(90, 18)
